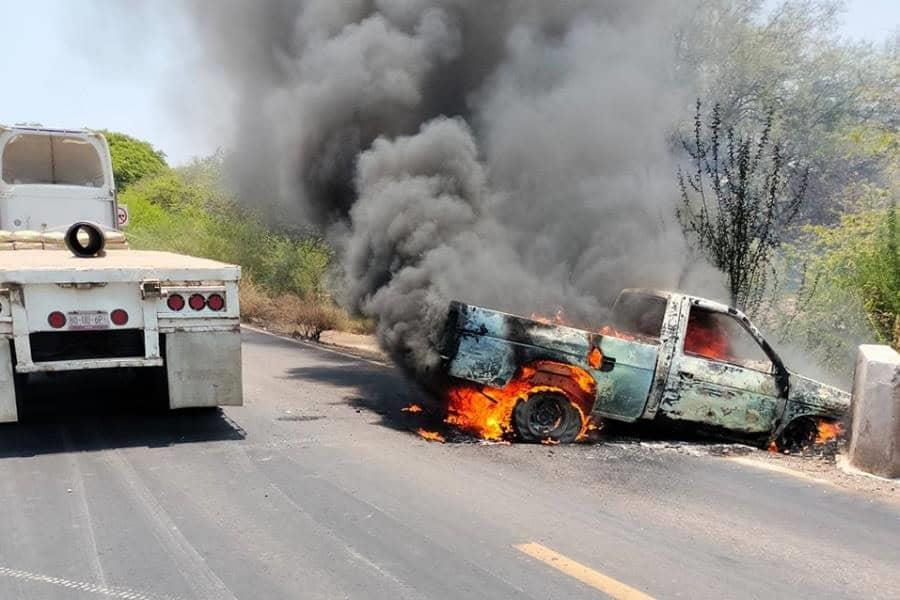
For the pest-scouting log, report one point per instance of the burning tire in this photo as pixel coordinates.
(547, 416)
(800, 433)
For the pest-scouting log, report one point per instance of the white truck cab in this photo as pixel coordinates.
(171, 316)
(50, 178)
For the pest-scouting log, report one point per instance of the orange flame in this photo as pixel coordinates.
(613, 332)
(828, 431)
(595, 358)
(412, 408)
(558, 319)
(431, 436)
(486, 412)
(707, 338)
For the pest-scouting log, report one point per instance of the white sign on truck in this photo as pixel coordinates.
(122, 309)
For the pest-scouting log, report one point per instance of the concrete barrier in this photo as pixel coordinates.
(875, 408)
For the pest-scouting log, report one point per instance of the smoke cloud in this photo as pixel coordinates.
(508, 153)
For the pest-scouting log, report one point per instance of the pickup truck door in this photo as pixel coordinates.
(721, 376)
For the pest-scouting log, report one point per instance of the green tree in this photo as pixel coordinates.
(750, 56)
(133, 159)
(860, 256)
(842, 284)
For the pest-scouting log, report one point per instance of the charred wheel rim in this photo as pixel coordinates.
(547, 416)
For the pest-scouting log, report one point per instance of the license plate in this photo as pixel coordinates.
(88, 319)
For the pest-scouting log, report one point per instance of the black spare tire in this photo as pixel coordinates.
(547, 416)
(93, 243)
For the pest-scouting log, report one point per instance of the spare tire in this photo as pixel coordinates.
(547, 416)
(95, 239)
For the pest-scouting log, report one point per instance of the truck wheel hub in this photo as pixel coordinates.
(547, 414)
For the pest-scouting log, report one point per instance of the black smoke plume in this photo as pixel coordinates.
(508, 153)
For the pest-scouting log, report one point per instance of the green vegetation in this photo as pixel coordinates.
(188, 210)
(133, 159)
(850, 292)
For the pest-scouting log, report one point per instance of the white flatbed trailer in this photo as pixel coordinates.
(121, 310)
(200, 349)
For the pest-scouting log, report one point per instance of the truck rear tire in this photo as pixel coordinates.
(547, 416)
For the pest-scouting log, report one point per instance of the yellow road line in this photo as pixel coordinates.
(609, 586)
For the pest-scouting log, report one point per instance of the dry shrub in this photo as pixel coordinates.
(255, 304)
(301, 317)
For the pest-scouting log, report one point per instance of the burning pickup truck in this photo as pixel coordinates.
(665, 357)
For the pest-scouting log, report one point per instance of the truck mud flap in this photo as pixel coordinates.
(8, 412)
(204, 368)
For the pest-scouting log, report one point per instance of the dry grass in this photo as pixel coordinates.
(296, 316)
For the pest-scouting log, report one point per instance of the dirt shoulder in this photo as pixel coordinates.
(352, 341)
(363, 344)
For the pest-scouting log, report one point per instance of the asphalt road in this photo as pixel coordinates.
(317, 489)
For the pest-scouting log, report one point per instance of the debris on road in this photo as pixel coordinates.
(431, 436)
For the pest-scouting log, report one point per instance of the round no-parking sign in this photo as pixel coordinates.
(122, 216)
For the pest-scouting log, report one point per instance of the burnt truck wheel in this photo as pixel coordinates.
(547, 416)
(800, 433)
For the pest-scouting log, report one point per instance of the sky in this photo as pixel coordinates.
(75, 64)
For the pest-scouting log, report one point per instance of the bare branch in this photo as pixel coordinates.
(754, 199)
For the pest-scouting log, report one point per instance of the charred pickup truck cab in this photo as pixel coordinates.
(665, 356)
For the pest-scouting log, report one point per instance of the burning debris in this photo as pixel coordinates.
(412, 408)
(431, 436)
(827, 431)
(821, 437)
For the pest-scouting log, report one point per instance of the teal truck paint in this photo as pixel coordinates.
(667, 356)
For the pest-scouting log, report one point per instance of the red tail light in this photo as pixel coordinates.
(56, 320)
(119, 317)
(175, 302)
(197, 302)
(215, 302)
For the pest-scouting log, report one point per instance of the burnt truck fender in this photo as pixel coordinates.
(810, 401)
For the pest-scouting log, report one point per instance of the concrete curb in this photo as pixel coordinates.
(875, 408)
(843, 463)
